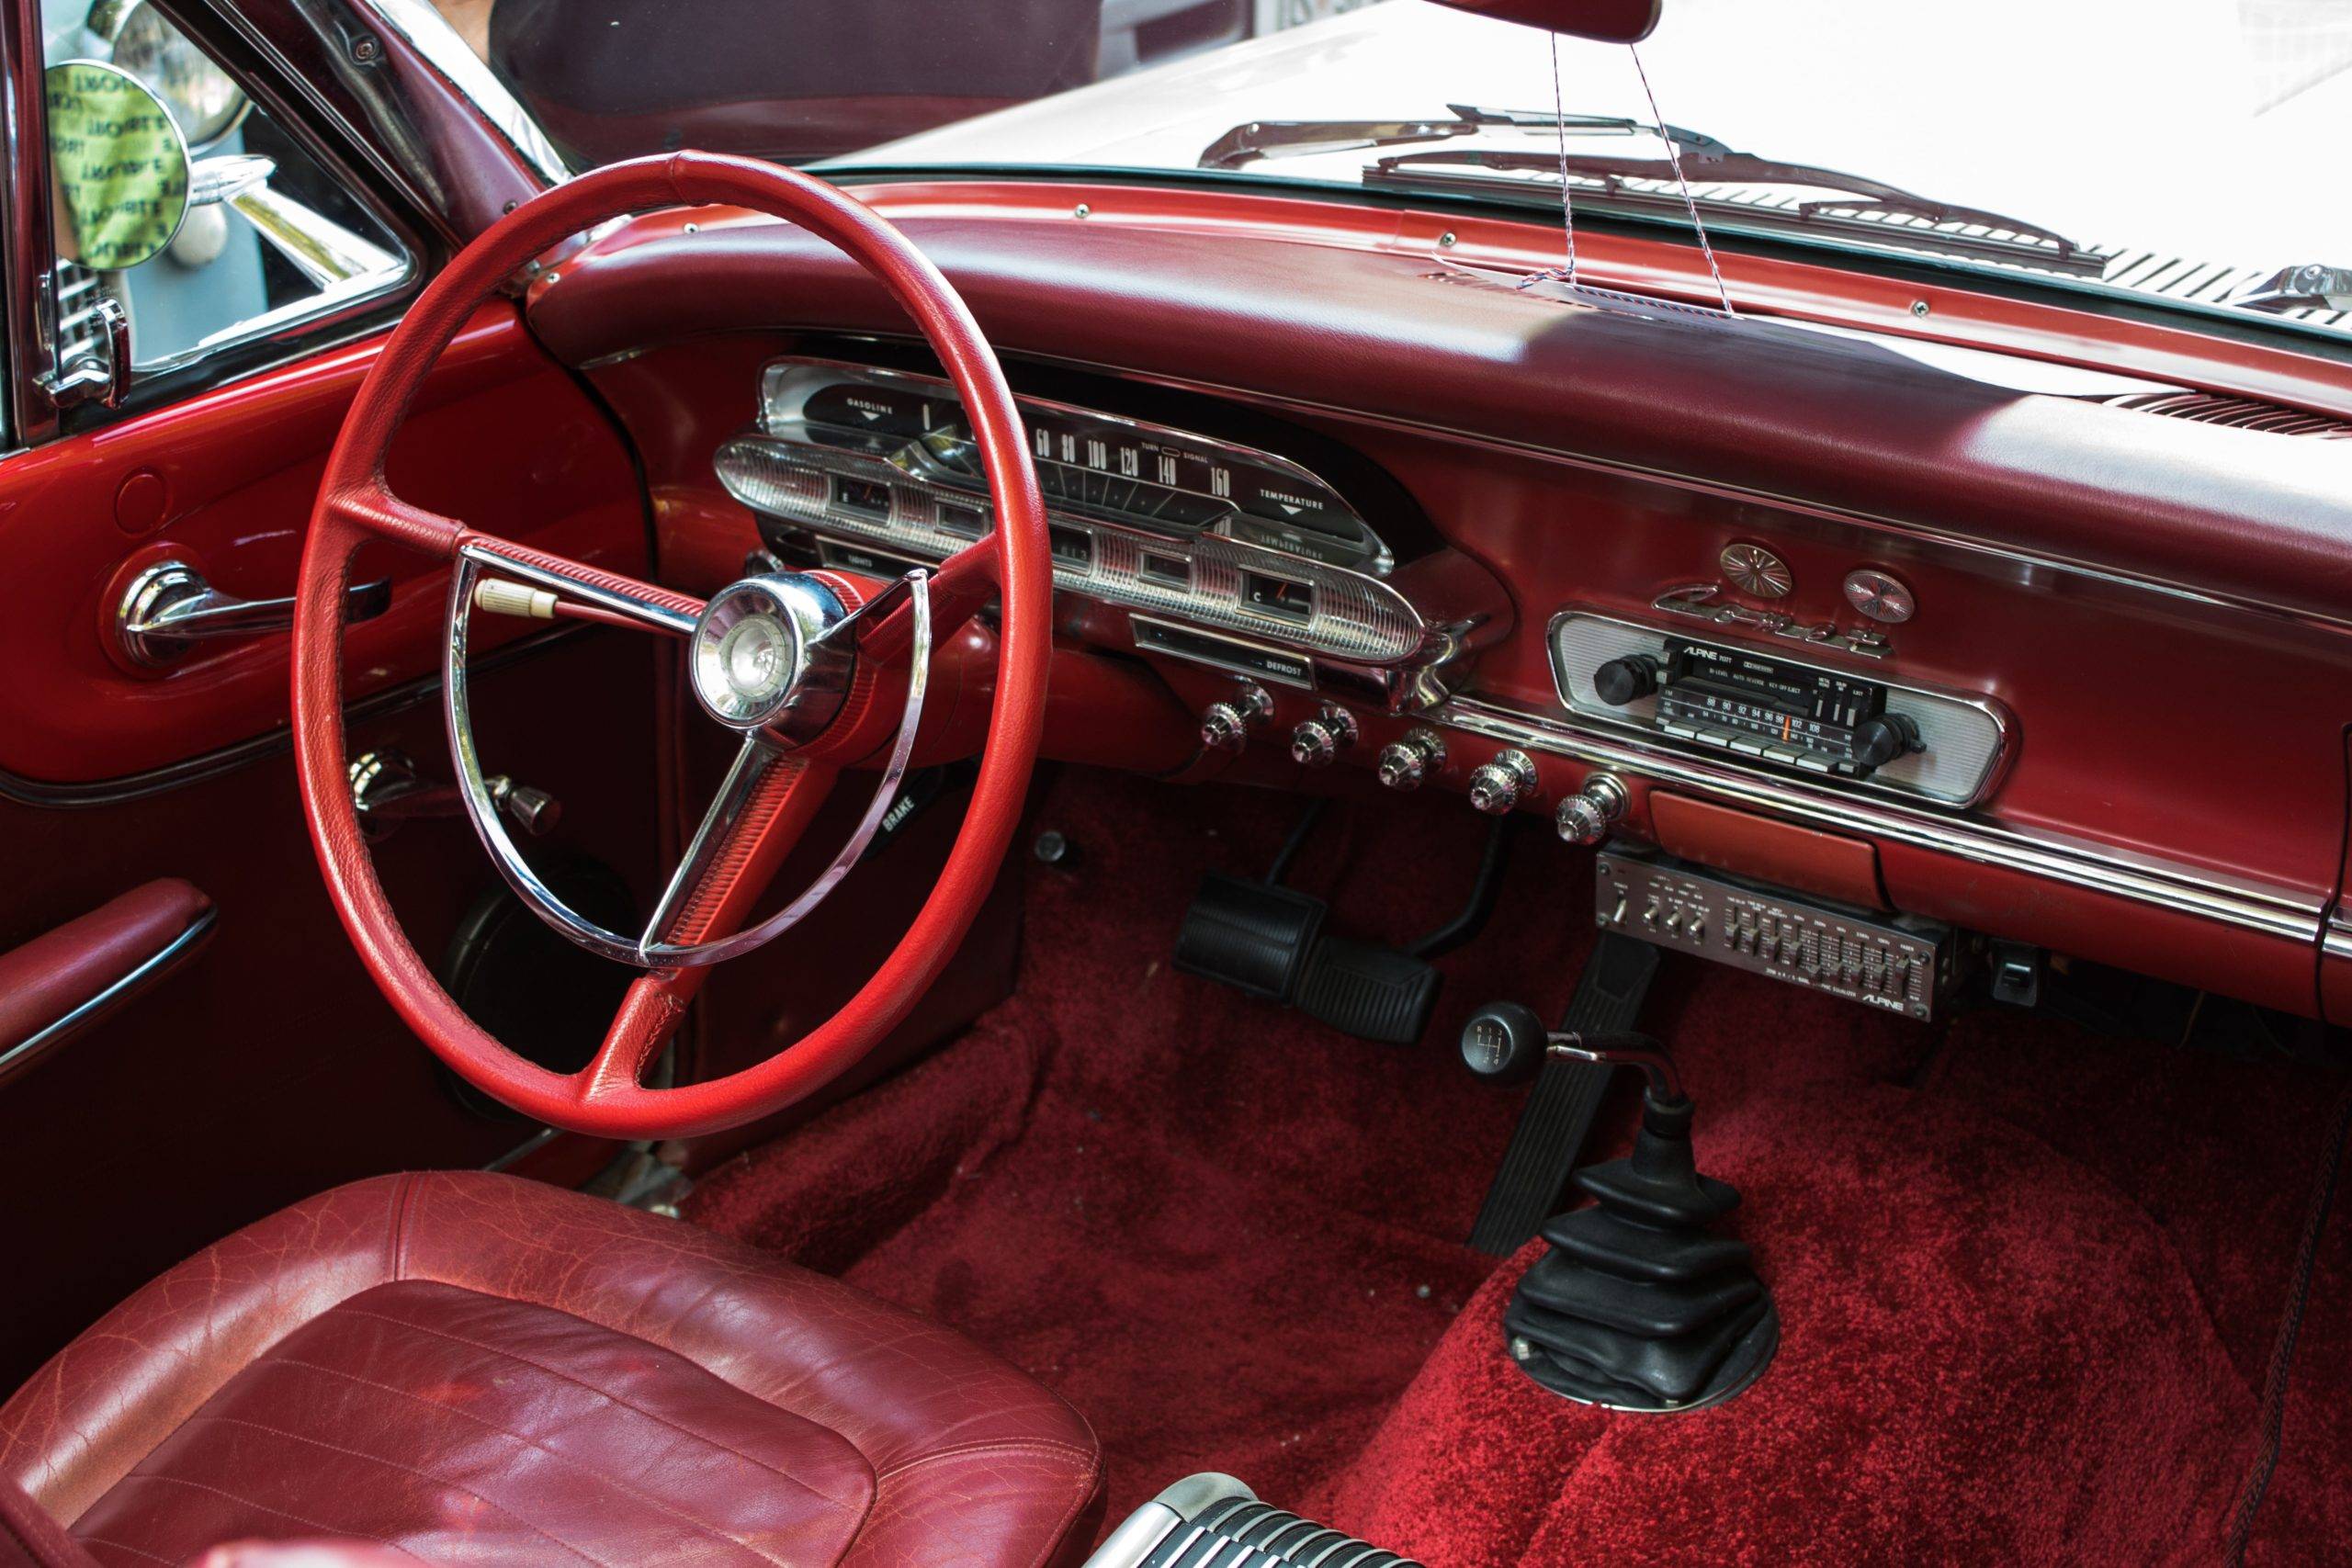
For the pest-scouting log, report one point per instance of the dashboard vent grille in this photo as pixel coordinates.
(2244, 414)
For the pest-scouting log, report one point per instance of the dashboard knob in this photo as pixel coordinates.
(1586, 817)
(1621, 681)
(1504, 1041)
(1319, 742)
(1878, 742)
(1496, 787)
(1225, 726)
(1406, 764)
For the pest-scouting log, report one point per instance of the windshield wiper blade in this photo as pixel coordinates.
(1260, 138)
(2009, 239)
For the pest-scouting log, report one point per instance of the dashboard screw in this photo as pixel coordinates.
(365, 47)
(1082, 211)
(1920, 307)
(1445, 241)
(694, 228)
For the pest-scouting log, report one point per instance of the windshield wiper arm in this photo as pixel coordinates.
(2012, 238)
(1258, 139)
(2294, 288)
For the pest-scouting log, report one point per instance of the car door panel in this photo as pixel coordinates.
(504, 440)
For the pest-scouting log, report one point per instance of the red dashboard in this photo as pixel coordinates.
(2155, 613)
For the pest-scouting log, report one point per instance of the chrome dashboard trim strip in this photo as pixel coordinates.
(2160, 885)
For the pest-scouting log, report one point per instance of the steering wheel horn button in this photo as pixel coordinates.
(761, 658)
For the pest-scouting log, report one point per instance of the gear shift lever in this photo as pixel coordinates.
(1637, 1305)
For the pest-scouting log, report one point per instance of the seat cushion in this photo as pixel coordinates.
(476, 1368)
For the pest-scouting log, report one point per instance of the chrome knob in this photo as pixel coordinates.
(1225, 726)
(1319, 742)
(1586, 817)
(1405, 764)
(1496, 787)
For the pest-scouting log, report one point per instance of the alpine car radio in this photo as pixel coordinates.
(1777, 710)
(1822, 715)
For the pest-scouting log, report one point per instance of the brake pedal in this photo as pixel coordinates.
(1559, 1116)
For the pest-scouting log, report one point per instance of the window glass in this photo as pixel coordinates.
(205, 223)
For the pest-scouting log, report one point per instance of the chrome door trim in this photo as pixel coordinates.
(2158, 883)
(154, 967)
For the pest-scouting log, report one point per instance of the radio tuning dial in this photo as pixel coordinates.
(1621, 681)
(1878, 742)
(1319, 742)
(1405, 764)
(1586, 817)
(1225, 726)
(1498, 786)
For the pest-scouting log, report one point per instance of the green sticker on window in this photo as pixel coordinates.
(119, 166)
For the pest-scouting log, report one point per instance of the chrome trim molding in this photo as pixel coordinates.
(2161, 885)
(149, 970)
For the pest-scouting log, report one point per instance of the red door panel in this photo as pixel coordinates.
(505, 439)
(267, 1066)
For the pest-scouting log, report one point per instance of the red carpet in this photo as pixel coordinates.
(2030, 1278)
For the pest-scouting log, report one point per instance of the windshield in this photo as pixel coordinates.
(2182, 149)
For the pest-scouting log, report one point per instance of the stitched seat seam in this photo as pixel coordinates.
(603, 1393)
(404, 1470)
(1041, 1446)
(714, 1531)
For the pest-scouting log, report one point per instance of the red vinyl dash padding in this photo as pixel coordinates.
(2028, 1277)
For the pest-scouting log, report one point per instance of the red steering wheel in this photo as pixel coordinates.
(802, 666)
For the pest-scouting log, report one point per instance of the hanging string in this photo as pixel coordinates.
(1673, 156)
(1568, 210)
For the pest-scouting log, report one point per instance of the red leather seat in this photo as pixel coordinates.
(477, 1369)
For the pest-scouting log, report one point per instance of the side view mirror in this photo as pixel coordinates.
(1609, 21)
(118, 166)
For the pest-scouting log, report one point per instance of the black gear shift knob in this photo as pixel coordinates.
(1504, 1042)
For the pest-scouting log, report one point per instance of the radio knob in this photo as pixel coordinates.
(1225, 726)
(1319, 742)
(1496, 787)
(1621, 681)
(1405, 764)
(1586, 817)
(1878, 742)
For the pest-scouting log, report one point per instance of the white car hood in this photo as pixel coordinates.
(2192, 128)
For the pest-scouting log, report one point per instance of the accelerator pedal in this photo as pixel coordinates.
(1557, 1119)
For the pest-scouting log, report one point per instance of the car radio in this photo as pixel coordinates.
(1764, 706)
(1816, 714)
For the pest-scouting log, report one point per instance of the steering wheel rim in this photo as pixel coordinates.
(355, 504)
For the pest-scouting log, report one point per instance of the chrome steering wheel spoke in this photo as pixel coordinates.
(765, 771)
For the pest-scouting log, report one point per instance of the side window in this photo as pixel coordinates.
(187, 220)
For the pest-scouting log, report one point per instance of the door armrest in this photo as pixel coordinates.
(65, 980)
